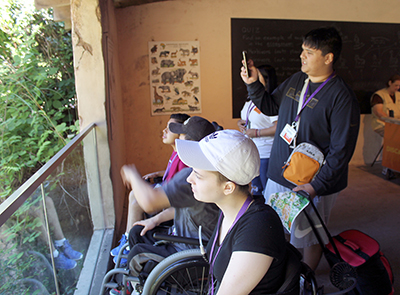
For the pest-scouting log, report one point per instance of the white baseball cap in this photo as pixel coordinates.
(229, 152)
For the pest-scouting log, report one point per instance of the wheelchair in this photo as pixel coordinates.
(186, 272)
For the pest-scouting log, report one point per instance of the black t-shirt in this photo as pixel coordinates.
(330, 121)
(258, 230)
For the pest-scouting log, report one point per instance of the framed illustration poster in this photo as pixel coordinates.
(174, 77)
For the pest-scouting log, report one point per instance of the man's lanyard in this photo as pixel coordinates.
(169, 167)
(305, 102)
(289, 132)
(242, 210)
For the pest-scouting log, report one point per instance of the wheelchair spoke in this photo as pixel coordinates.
(186, 281)
(184, 273)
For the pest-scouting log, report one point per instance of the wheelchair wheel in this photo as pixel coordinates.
(185, 272)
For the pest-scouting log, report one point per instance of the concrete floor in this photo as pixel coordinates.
(370, 204)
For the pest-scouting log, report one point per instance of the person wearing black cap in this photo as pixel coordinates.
(176, 200)
(175, 165)
(193, 128)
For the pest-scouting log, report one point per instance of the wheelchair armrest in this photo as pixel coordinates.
(177, 239)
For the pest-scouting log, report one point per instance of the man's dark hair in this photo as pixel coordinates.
(179, 117)
(327, 40)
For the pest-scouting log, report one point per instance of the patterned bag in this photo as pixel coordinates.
(303, 164)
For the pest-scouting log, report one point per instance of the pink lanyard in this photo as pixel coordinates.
(169, 167)
(242, 210)
(312, 95)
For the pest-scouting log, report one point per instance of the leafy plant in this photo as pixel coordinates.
(37, 118)
(18, 239)
(37, 91)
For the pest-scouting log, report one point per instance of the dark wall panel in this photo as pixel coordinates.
(370, 54)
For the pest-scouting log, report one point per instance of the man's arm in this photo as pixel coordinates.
(263, 100)
(156, 220)
(344, 123)
(307, 188)
(149, 199)
(179, 191)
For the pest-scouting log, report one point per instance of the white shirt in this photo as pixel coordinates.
(257, 120)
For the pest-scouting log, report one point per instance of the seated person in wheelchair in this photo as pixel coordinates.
(247, 249)
(135, 213)
(174, 163)
(175, 198)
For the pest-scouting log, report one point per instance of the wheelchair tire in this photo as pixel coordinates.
(185, 272)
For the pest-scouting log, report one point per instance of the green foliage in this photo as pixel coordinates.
(37, 118)
(37, 91)
(18, 238)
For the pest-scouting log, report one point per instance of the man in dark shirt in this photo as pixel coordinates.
(329, 120)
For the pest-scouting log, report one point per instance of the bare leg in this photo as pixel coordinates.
(54, 222)
(38, 213)
(135, 212)
(312, 255)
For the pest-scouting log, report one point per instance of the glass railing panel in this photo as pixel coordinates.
(25, 265)
(68, 212)
(59, 208)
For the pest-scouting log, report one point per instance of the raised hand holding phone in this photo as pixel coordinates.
(248, 72)
(244, 53)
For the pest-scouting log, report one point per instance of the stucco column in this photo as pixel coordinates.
(91, 94)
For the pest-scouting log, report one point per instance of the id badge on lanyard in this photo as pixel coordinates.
(289, 132)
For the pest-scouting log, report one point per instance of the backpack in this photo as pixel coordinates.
(303, 164)
(374, 273)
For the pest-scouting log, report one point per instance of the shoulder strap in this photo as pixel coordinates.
(301, 99)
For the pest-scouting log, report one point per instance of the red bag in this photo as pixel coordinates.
(374, 274)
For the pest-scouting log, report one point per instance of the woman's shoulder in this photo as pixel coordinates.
(259, 204)
(261, 229)
(259, 209)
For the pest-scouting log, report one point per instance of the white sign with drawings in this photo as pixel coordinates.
(174, 77)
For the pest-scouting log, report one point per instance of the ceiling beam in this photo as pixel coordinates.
(126, 3)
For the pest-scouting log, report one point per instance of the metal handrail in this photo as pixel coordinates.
(13, 202)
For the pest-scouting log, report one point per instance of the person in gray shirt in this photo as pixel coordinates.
(174, 200)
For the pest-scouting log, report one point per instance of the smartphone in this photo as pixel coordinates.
(244, 53)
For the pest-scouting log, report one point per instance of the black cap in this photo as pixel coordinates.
(196, 127)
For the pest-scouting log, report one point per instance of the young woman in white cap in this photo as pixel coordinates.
(247, 250)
